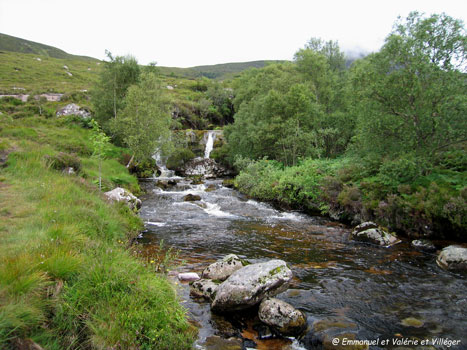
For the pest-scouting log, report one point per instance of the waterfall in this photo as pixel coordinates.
(160, 162)
(209, 144)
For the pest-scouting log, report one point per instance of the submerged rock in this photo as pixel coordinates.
(204, 288)
(423, 244)
(222, 269)
(121, 195)
(249, 285)
(453, 257)
(282, 316)
(371, 233)
(191, 198)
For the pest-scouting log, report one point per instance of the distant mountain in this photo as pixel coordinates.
(215, 71)
(14, 44)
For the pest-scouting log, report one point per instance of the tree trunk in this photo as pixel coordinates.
(131, 161)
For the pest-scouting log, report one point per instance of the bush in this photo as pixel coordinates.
(399, 171)
(63, 160)
(179, 157)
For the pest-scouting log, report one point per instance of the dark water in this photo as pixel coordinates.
(371, 292)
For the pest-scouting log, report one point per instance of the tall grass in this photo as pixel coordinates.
(66, 278)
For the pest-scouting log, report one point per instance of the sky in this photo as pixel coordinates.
(186, 33)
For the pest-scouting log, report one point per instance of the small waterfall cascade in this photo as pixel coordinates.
(161, 164)
(209, 144)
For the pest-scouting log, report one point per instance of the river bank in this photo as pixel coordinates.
(67, 277)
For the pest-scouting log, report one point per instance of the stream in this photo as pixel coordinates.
(359, 290)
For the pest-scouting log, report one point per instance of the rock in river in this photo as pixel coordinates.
(121, 195)
(282, 316)
(453, 258)
(251, 284)
(203, 289)
(191, 198)
(424, 245)
(371, 233)
(222, 269)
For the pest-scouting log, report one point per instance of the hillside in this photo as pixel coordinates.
(24, 73)
(14, 44)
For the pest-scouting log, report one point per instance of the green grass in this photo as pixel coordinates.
(24, 71)
(67, 280)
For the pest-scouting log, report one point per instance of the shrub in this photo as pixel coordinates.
(179, 157)
(63, 160)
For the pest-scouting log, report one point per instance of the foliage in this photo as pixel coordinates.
(144, 123)
(108, 95)
(100, 145)
(411, 96)
(291, 111)
(179, 157)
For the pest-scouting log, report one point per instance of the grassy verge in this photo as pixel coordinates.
(394, 193)
(67, 280)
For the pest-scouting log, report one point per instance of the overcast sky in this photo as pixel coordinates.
(184, 33)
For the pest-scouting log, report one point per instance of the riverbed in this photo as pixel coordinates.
(346, 289)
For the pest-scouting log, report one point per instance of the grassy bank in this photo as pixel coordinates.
(67, 279)
(430, 204)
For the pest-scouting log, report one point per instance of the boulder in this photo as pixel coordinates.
(453, 257)
(205, 167)
(73, 109)
(282, 317)
(249, 285)
(370, 232)
(222, 269)
(191, 198)
(424, 245)
(121, 195)
(203, 289)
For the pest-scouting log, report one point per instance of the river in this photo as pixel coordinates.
(345, 288)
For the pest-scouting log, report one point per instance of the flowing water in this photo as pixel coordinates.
(367, 292)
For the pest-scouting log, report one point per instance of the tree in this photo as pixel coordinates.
(108, 95)
(411, 96)
(144, 123)
(100, 145)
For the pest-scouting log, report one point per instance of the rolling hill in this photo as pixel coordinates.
(14, 44)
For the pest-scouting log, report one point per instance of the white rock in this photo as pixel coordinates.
(251, 284)
(121, 195)
(188, 276)
(453, 258)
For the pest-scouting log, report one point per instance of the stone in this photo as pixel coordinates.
(191, 198)
(188, 276)
(282, 317)
(365, 226)
(424, 245)
(223, 268)
(121, 195)
(453, 257)
(249, 285)
(203, 288)
(370, 232)
(73, 109)
(205, 167)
